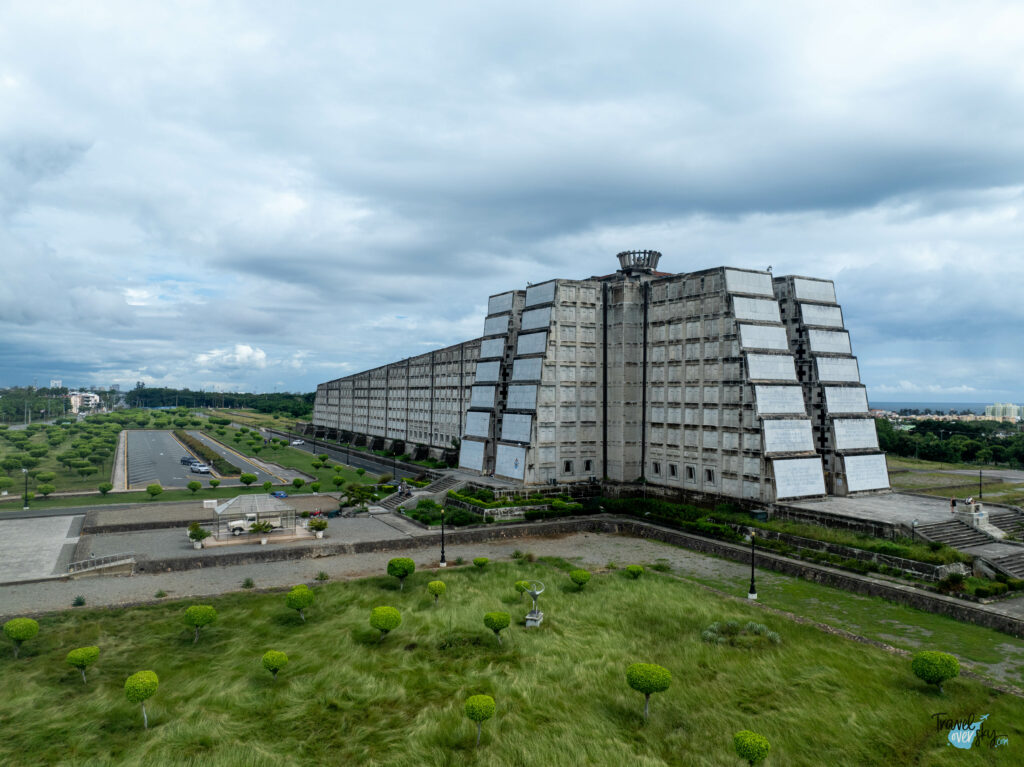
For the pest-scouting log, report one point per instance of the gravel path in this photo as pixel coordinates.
(589, 549)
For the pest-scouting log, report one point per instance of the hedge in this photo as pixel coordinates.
(220, 465)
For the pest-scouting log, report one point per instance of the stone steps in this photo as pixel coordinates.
(1010, 522)
(1012, 565)
(953, 533)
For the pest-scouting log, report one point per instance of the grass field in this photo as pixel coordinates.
(349, 698)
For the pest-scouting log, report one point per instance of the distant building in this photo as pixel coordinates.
(1004, 410)
(723, 381)
(56, 383)
(83, 400)
(115, 387)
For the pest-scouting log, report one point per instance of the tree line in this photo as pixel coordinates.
(982, 442)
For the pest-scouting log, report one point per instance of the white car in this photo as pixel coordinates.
(298, 442)
(200, 468)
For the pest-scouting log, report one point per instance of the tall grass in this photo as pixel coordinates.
(348, 697)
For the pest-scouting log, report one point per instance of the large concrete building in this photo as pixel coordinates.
(724, 381)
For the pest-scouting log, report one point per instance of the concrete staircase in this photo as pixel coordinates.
(1009, 521)
(443, 484)
(953, 533)
(1012, 565)
(437, 491)
(393, 501)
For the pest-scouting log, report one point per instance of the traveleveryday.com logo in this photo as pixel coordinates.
(965, 732)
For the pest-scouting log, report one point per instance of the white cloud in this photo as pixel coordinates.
(241, 356)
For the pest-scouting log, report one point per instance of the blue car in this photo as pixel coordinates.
(279, 494)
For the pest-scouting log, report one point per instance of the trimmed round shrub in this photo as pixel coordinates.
(82, 658)
(634, 571)
(401, 568)
(385, 619)
(105, 487)
(299, 598)
(20, 630)
(437, 588)
(139, 687)
(199, 616)
(274, 661)
(751, 746)
(648, 678)
(935, 667)
(154, 490)
(481, 562)
(479, 708)
(522, 587)
(298, 482)
(580, 578)
(195, 486)
(247, 479)
(497, 621)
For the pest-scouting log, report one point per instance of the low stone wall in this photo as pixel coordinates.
(857, 584)
(838, 521)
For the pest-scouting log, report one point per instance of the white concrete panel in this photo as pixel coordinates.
(866, 472)
(855, 433)
(824, 316)
(536, 318)
(522, 397)
(846, 399)
(798, 477)
(838, 369)
(515, 427)
(757, 283)
(771, 367)
(540, 294)
(494, 326)
(492, 347)
(532, 343)
(780, 400)
(788, 436)
(814, 290)
(835, 341)
(471, 455)
(483, 396)
(487, 371)
(478, 424)
(763, 337)
(760, 309)
(510, 461)
(499, 303)
(527, 370)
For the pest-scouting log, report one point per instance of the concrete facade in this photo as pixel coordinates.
(723, 381)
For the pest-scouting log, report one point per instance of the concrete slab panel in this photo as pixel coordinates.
(483, 396)
(838, 370)
(763, 337)
(846, 399)
(492, 347)
(510, 461)
(771, 367)
(522, 397)
(536, 318)
(756, 283)
(787, 436)
(760, 309)
(798, 477)
(478, 424)
(31, 548)
(532, 343)
(866, 472)
(823, 316)
(540, 294)
(515, 427)
(829, 341)
(527, 370)
(487, 371)
(815, 290)
(780, 400)
(500, 303)
(471, 455)
(855, 433)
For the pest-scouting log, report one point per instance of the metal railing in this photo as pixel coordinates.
(105, 561)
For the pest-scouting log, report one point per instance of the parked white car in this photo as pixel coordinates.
(239, 526)
(200, 468)
(298, 442)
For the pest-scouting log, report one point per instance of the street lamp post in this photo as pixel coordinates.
(25, 472)
(981, 492)
(443, 562)
(752, 593)
(913, 528)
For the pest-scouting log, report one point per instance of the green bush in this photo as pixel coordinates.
(82, 658)
(497, 621)
(45, 489)
(139, 687)
(401, 568)
(299, 598)
(298, 482)
(198, 616)
(479, 708)
(385, 619)
(952, 583)
(268, 486)
(194, 486)
(480, 562)
(154, 490)
(648, 678)
(247, 479)
(20, 630)
(274, 661)
(935, 667)
(197, 532)
(437, 588)
(522, 587)
(214, 482)
(218, 462)
(750, 746)
(580, 578)
(634, 571)
(318, 525)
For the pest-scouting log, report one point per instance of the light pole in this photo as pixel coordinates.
(913, 528)
(752, 593)
(25, 472)
(443, 562)
(981, 492)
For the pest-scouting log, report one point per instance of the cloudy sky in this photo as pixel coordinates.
(258, 196)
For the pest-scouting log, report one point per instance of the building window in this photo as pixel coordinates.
(691, 474)
(656, 469)
(588, 466)
(673, 470)
(567, 467)
(709, 476)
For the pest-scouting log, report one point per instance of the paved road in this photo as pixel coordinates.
(155, 456)
(239, 460)
(354, 459)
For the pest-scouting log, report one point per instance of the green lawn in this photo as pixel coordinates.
(348, 698)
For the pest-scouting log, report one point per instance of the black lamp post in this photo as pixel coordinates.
(752, 594)
(25, 472)
(981, 492)
(443, 562)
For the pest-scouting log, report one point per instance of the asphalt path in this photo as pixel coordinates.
(155, 457)
(353, 458)
(239, 460)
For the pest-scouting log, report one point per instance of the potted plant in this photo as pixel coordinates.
(261, 528)
(197, 535)
(318, 526)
